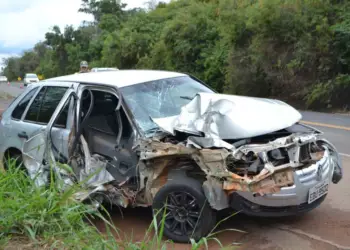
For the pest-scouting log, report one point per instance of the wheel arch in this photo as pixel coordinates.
(10, 153)
(172, 171)
(179, 181)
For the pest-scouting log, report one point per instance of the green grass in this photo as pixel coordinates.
(44, 218)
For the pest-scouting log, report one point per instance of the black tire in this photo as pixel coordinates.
(188, 214)
(18, 161)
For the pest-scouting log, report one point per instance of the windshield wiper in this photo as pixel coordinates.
(152, 130)
(187, 97)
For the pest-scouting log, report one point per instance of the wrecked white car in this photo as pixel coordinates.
(164, 139)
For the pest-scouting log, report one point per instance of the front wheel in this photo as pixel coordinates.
(188, 214)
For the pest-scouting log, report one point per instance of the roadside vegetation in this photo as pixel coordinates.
(295, 50)
(45, 218)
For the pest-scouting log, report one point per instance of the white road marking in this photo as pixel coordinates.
(346, 155)
(311, 236)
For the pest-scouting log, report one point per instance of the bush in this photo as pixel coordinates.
(40, 218)
(334, 93)
(287, 49)
(46, 216)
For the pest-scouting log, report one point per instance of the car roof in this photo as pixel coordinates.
(105, 68)
(118, 78)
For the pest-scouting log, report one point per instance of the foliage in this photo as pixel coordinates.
(44, 217)
(288, 49)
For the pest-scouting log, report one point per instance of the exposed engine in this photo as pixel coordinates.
(252, 163)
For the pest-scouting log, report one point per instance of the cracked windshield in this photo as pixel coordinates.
(174, 124)
(160, 99)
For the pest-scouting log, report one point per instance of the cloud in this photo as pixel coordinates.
(10, 50)
(14, 5)
(139, 3)
(23, 25)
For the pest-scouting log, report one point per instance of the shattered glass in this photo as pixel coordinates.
(161, 98)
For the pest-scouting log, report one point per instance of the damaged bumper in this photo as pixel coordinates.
(275, 185)
(239, 203)
(297, 195)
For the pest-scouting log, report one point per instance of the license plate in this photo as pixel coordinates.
(318, 191)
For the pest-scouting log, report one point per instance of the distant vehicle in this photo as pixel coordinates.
(3, 79)
(103, 69)
(30, 78)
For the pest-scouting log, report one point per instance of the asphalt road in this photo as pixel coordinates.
(336, 128)
(326, 227)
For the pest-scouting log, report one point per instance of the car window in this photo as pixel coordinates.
(31, 76)
(160, 98)
(45, 103)
(62, 119)
(19, 110)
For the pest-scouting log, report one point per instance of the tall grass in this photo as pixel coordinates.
(45, 218)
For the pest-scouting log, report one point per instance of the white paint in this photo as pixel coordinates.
(120, 78)
(231, 116)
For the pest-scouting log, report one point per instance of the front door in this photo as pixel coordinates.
(108, 131)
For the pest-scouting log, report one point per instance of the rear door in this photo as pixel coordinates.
(34, 111)
(40, 147)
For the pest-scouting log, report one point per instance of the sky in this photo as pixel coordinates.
(23, 23)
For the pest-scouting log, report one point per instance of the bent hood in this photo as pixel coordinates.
(230, 117)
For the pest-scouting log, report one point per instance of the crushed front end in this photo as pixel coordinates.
(313, 163)
(283, 176)
(279, 164)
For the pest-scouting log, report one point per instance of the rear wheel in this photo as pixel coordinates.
(14, 159)
(188, 214)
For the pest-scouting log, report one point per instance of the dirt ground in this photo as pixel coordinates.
(326, 227)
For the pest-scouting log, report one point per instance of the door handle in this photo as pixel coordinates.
(23, 135)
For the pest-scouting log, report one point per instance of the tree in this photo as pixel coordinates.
(247, 47)
(151, 4)
(98, 8)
